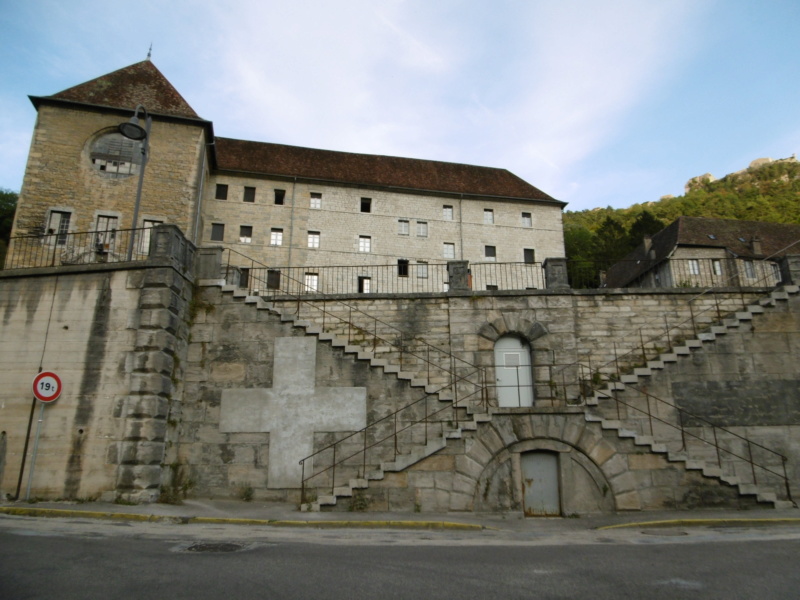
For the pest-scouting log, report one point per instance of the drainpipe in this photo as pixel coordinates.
(461, 227)
(291, 223)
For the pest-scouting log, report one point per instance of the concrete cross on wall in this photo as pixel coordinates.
(292, 410)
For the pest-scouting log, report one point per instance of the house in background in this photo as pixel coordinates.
(700, 252)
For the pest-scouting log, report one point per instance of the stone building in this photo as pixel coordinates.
(282, 206)
(193, 365)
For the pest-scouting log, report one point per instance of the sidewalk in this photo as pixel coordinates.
(275, 514)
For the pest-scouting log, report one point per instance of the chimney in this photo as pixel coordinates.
(755, 245)
(648, 243)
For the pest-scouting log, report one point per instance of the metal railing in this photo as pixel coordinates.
(79, 248)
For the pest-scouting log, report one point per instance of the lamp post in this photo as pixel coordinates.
(133, 131)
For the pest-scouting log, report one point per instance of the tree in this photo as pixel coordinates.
(610, 241)
(8, 206)
(645, 224)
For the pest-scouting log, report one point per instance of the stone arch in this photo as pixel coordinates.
(522, 323)
(593, 464)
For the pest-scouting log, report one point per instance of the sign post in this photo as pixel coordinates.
(46, 388)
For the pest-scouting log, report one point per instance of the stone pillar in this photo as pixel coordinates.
(458, 275)
(208, 263)
(555, 274)
(167, 241)
(790, 269)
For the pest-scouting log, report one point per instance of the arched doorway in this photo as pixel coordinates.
(512, 365)
(541, 493)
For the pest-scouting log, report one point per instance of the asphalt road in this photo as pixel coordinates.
(44, 558)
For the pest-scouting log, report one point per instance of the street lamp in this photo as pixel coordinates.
(133, 131)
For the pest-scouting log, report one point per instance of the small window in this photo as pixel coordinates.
(527, 221)
(316, 200)
(279, 196)
(245, 234)
(313, 239)
(144, 240)
(694, 266)
(217, 232)
(249, 194)
(275, 236)
(490, 286)
(116, 156)
(716, 265)
(364, 243)
(422, 270)
(447, 212)
(490, 253)
(402, 267)
(422, 229)
(749, 269)
(449, 250)
(402, 226)
(488, 216)
(366, 205)
(58, 225)
(776, 272)
(311, 282)
(364, 285)
(222, 192)
(106, 233)
(528, 256)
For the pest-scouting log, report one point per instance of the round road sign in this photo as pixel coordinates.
(47, 386)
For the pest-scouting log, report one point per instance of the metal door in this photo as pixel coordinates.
(512, 359)
(540, 484)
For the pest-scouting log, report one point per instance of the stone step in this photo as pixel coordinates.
(784, 504)
(672, 357)
(344, 491)
(655, 364)
(779, 295)
(627, 433)
(766, 497)
(681, 350)
(712, 471)
(744, 316)
(791, 289)
(693, 343)
(358, 484)
(326, 501)
(755, 309)
(642, 372)
(707, 337)
(679, 456)
(730, 479)
(719, 330)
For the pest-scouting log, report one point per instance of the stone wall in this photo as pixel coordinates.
(116, 336)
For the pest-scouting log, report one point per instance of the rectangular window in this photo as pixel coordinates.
(221, 192)
(144, 240)
(249, 194)
(364, 285)
(311, 281)
(526, 220)
(366, 205)
(716, 266)
(490, 286)
(422, 270)
(58, 225)
(364, 243)
(488, 216)
(490, 253)
(422, 229)
(528, 256)
(402, 267)
(279, 196)
(776, 272)
(402, 226)
(447, 212)
(273, 279)
(694, 266)
(316, 200)
(275, 236)
(106, 233)
(313, 239)
(449, 250)
(217, 232)
(244, 277)
(245, 234)
(749, 269)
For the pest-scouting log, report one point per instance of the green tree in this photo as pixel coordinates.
(645, 224)
(610, 241)
(8, 206)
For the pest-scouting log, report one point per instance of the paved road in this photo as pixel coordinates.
(84, 559)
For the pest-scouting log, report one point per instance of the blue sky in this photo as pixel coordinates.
(595, 102)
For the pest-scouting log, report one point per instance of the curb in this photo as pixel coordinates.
(65, 513)
(705, 523)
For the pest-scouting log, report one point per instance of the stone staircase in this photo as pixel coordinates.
(639, 376)
(474, 419)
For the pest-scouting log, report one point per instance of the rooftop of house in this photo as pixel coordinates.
(374, 170)
(143, 84)
(742, 239)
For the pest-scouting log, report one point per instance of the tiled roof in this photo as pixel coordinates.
(141, 83)
(729, 234)
(369, 169)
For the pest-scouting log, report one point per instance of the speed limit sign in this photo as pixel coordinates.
(47, 386)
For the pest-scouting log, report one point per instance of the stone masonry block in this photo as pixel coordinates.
(153, 362)
(145, 406)
(141, 453)
(156, 339)
(647, 461)
(138, 477)
(145, 430)
(151, 383)
(156, 298)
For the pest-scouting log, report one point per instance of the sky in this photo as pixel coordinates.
(596, 102)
